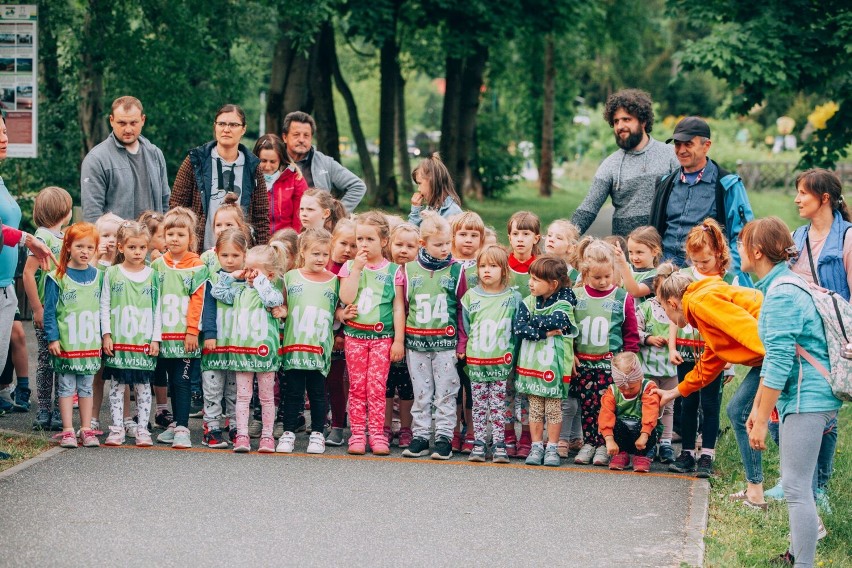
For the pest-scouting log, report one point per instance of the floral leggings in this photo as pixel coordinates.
(265, 387)
(116, 403)
(590, 385)
(46, 379)
(368, 363)
(489, 400)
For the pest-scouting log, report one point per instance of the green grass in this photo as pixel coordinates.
(740, 537)
(21, 448)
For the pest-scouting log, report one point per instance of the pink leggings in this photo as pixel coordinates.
(265, 388)
(368, 363)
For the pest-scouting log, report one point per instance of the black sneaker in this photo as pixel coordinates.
(443, 448)
(705, 466)
(214, 439)
(418, 448)
(163, 419)
(22, 399)
(196, 406)
(684, 463)
(666, 453)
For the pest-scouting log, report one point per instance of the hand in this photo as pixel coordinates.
(54, 348)
(209, 345)
(553, 332)
(751, 421)
(155, 254)
(397, 351)
(348, 312)
(460, 356)
(154, 349)
(190, 343)
(656, 341)
(279, 312)
(38, 318)
(728, 379)
(666, 396)
(674, 357)
(107, 344)
(757, 435)
(360, 260)
(619, 258)
(42, 253)
(642, 441)
(103, 249)
(239, 274)
(611, 447)
(417, 199)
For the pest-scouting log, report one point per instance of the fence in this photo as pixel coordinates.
(758, 176)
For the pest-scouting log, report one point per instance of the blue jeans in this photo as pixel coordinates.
(738, 410)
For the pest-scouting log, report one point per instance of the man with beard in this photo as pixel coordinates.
(320, 171)
(630, 174)
(125, 174)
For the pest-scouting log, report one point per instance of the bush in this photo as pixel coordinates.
(499, 167)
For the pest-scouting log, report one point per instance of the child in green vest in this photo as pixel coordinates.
(218, 382)
(72, 327)
(250, 335)
(606, 318)
(489, 312)
(524, 229)
(51, 212)
(130, 327)
(629, 414)
(434, 336)
(229, 215)
(644, 247)
(312, 294)
(468, 231)
(545, 325)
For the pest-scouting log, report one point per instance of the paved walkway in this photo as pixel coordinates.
(164, 507)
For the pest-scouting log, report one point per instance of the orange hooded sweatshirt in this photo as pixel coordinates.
(196, 301)
(726, 316)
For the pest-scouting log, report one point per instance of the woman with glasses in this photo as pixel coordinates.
(217, 168)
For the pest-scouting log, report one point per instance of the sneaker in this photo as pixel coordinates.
(684, 463)
(601, 456)
(443, 448)
(822, 501)
(704, 468)
(821, 530)
(524, 445)
(776, 493)
(316, 443)
(266, 445)
(22, 399)
(116, 436)
(379, 447)
(388, 435)
(575, 445)
(641, 464)
(405, 437)
(511, 442)
(456, 444)
(551, 456)
(143, 438)
(286, 443)
(477, 454)
(6, 402)
(620, 461)
(181, 439)
(585, 455)
(196, 406)
(499, 454)
(214, 439)
(562, 448)
(88, 438)
(357, 445)
(255, 428)
(6, 406)
(96, 426)
(242, 444)
(535, 456)
(278, 429)
(335, 437)
(42, 420)
(56, 420)
(467, 445)
(130, 427)
(666, 453)
(418, 448)
(68, 439)
(168, 435)
(301, 424)
(163, 419)
(232, 435)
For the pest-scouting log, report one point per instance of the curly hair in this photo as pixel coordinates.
(635, 102)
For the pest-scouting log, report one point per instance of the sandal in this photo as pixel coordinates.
(756, 506)
(738, 496)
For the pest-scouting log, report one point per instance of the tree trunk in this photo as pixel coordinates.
(389, 69)
(369, 173)
(289, 83)
(545, 168)
(91, 109)
(450, 116)
(472, 81)
(328, 138)
(405, 184)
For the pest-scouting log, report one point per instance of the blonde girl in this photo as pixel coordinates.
(153, 221)
(131, 330)
(319, 210)
(606, 318)
(229, 215)
(251, 336)
(107, 226)
(51, 212)
(372, 290)
(561, 239)
(289, 239)
(435, 190)
(644, 247)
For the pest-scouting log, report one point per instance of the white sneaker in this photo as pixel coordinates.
(584, 456)
(601, 456)
(130, 428)
(821, 530)
(316, 444)
(255, 428)
(286, 443)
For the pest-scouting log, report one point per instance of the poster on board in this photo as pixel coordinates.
(18, 84)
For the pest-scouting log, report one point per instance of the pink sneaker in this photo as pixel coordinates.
(242, 444)
(524, 444)
(456, 444)
(388, 435)
(143, 438)
(641, 464)
(511, 441)
(405, 437)
(357, 447)
(116, 436)
(620, 461)
(467, 446)
(68, 439)
(267, 445)
(88, 439)
(380, 448)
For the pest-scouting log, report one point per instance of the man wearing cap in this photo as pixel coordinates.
(699, 189)
(630, 174)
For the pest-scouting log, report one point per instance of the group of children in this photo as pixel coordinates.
(540, 353)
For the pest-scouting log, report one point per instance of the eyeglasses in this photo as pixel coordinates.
(229, 125)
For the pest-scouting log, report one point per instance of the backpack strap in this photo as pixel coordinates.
(811, 259)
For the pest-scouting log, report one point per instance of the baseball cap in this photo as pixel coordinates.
(689, 128)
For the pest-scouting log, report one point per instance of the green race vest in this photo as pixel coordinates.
(211, 261)
(491, 343)
(432, 307)
(247, 338)
(308, 332)
(376, 292)
(631, 408)
(574, 276)
(599, 320)
(176, 286)
(210, 360)
(54, 243)
(655, 360)
(544, 366)
(689, 343)
(520, 281)
(79, 320)
(470, 273)
(131, 318)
